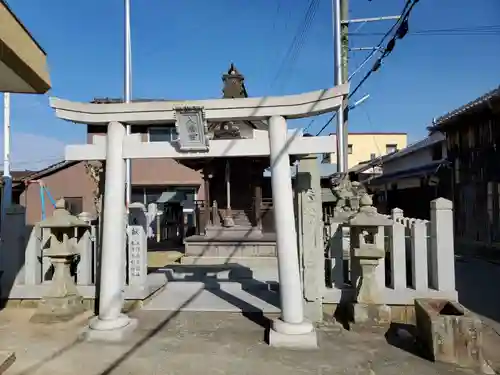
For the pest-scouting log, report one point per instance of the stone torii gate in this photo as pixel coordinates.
(191, 118)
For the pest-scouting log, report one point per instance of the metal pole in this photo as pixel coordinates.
(336, 21)
(344, 15)
(7, 178)
(128, 90)
(371, 19)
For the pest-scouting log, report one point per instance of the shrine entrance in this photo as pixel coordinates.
(198, 142)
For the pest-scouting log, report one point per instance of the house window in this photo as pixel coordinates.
(390, 148)
(349, 149)
(74, 205)
(162, 134)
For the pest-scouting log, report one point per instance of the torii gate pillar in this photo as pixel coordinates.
(111, 324)
(291, 329)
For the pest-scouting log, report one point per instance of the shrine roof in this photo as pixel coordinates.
(234, 87)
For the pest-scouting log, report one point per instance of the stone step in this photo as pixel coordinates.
(227, 297)
(220, 272)
(254, 263)
(242, 220)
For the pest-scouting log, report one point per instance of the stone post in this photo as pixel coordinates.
(137, 246)
(398, 251)
(291, 329)
(310, 231)
(442, 254)
(86, 264)
(111, 324)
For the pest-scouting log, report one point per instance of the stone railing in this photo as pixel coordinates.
(27, 273)
(419, 260)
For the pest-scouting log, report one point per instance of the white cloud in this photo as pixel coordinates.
(33, 151)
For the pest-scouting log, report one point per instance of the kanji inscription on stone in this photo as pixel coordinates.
(192, 128)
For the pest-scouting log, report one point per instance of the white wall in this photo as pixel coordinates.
(416, 155)
(413, 160)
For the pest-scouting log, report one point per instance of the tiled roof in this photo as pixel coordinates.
(18, 175)
(432, 139)
(427, 169)
(471, 106)
(50, 169)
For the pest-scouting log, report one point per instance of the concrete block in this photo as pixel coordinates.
(398, 314)
(410, 315)
(371, 313)
(449, 332)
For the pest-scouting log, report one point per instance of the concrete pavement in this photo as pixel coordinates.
(196, 343)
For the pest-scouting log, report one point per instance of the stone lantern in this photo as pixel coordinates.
(367, 244)
(62, 301)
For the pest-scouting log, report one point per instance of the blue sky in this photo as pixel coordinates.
(181, 48)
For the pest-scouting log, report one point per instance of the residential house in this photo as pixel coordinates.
(473, 147)
(369, 146)
(410, 178)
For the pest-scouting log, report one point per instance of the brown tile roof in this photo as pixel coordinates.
(18, 175)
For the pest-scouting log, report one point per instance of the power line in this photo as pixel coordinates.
(401, 29)
(474, 30)
(391, 44)
(297, 42)
(384, 37)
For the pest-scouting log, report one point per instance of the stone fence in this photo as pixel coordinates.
(419, 260)
(27, 274)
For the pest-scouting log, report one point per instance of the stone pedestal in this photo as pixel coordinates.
(228, 220)
(293, 336)
(62, 303)
(450, 333)
(369, 307)
(368, 251)
(113, 330)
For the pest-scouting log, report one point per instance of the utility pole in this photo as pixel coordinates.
(338, 73)
(340, 17)
(344, 38)
(128, 90)
(7, 178)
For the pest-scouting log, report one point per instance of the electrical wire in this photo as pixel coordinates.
(459, 31)
(297, 42)
(403, 18)
(384, 37)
